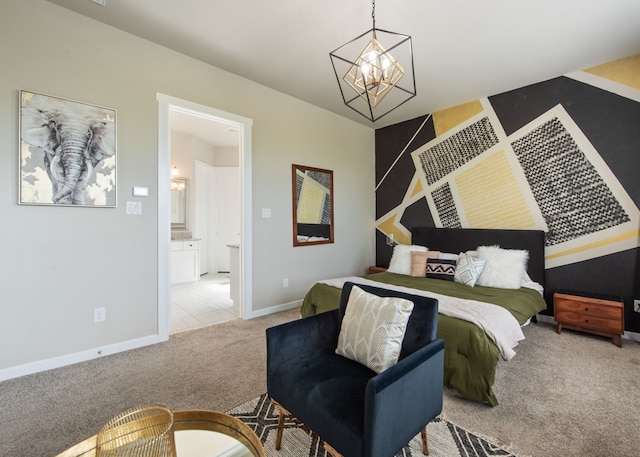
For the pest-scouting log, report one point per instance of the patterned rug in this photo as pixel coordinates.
(445, 438)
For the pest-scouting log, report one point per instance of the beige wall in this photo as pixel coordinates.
(59, 263)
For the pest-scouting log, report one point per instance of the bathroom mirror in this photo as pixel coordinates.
(312, 205)
(179, 188)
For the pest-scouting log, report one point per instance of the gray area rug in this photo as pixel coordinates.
(445, 438)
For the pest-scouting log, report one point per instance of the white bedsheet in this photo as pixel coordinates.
(498, 323)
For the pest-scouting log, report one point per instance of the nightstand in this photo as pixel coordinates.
(592, 313)
(373, 270)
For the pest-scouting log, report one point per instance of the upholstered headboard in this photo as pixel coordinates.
(457, 240)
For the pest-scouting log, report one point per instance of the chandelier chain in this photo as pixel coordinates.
(373, 13)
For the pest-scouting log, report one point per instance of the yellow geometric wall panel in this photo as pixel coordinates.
(311, 202)
(623, 71)
(389, 228)
(447, 119)
(491, 196)
(418, 189)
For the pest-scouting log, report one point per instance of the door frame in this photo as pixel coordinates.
(167, 103)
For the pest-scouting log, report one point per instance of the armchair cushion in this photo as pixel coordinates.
(373, 329)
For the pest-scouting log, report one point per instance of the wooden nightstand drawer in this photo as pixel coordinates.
(599, 315)
(591, 322)
(597, 308)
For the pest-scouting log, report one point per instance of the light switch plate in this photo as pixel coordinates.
(266, 213)
(140, 191)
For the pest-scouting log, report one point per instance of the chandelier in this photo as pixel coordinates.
(370, 84)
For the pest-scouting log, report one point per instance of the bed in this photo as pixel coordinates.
(472, 351)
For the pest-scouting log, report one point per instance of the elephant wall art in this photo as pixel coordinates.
(67, 152)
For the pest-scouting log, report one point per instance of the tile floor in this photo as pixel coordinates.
(201, 303)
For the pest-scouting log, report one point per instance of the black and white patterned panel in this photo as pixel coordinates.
(452, 152)
(326, 209)
(572, 196)
(299, 182)
(446, 206)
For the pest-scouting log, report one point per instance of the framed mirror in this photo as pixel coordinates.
(179, 202)
(312, 205)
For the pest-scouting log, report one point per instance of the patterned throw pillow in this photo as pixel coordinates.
(468, 269)
(441, 269)
(373, 328)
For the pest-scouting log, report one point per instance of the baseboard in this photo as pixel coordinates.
(77, 357)
(274, 309)
(89, 354)
(546, 319)
(632, 336)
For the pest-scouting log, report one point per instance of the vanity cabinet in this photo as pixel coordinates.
(185, 261)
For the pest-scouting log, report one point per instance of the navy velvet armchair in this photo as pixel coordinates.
(354, 410)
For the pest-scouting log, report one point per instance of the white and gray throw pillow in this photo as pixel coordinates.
(468, 269)
(373, 328)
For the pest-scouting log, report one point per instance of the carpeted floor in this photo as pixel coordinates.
(445, 439)
(569, 395)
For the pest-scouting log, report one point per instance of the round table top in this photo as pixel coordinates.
(191, 419)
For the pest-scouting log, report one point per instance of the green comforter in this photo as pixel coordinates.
(470, 357)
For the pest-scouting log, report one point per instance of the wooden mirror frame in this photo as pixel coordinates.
(321, 233)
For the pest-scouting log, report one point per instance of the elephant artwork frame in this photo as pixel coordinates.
(67, 152)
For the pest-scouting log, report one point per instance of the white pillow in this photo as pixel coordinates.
(468, 269)
(373, 328)
(401, 259)
(447, 256)
(505, 268)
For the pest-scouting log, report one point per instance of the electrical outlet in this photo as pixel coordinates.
(285, 283)
(636, 305)
(99, 314)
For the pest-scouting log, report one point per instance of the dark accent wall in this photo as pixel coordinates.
(610, 122)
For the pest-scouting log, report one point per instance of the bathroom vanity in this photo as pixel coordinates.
(185, 261)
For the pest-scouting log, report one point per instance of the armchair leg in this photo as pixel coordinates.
(280, 428)
(425, 444)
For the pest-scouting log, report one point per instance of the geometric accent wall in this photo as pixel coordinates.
(562, 156)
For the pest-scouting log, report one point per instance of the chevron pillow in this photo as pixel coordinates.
(373, 328)
(441, 269)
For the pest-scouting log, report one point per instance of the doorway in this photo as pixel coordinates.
(166, 105)
(217, 215)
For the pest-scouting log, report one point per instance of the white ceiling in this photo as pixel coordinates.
(463, 49)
